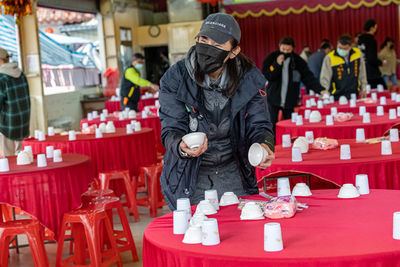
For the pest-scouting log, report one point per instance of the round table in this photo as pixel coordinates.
(383, 170)
(112, 106)
(340, 130)
(370, 107)
(114, 151)
(386, 94)
(331, 232)
(152, 121)
(47, 192)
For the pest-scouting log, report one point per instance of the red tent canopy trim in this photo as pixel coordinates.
(286, 7)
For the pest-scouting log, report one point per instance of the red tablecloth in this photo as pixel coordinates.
(383, 171)
(340, 130)
(112, 106)
(331, 232)
(371, 108)
(378, 94)
(48, 192)
(112, 152)
(152, 121)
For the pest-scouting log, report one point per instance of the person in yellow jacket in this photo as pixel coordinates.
(343, 70)
(131, 83)
(389, 61)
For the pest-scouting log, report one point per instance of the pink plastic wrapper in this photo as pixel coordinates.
(116, 114)
(280, 207)
(89, 130)
(369, 101)
(325, 143)
(341, 116)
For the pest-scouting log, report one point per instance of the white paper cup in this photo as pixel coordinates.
(345, 152)
(71, 136)
(286, 142)
(102, 117)
(36, 134)
(210, 232)
(320, 104)
(89, 116)
(283, 187)
(313, 102)
(362, 184)
(382, 100)
(28, 148)
(398, 98)
(310, 137)
(299, 120)
(129, 129)
(360, 135)
(49, 152)
(331, 99)
(212, 196)
(392, 114)
(192, 235)
(144, 114)
(98, 133)
(329, 120)
(362, 110)
(257, 154)
(311, 93)
(398, 111)
(4, 166)
(296, 155)
(95, 114)
(353, 103)
(393, 96)
(157, 103)
(57, 155)
(379, 111)
(85, 125)
(307, 113)
(180, 221)
(386, 147)
(105, 112)
(368, 88)
(121, 116)
(394, 135)
(366, 117)
(333, 111)
(353, 96)
(138, 126)
(184, 204)
(374, 96)
(380, 88)
(273, 237)
(50, 131)
(294, 117)
(41, 160)
(42, 136)
(396, 225)
(308, 103)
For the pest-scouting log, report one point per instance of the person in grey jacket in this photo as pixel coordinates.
(218, 91)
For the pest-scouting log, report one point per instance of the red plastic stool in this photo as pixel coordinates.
(106, 177)
(100, 200)
(30, 228)
(154, 198)
(85, 223)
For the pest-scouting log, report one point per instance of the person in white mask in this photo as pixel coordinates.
(343, 70)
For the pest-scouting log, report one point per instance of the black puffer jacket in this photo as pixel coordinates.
(369, 49)
(179, 100)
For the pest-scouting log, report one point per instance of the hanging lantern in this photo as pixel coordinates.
(211, 2)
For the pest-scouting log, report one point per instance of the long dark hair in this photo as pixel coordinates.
(387, 40)
(233, 72)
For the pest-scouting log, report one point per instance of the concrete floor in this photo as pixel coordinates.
(24, 259)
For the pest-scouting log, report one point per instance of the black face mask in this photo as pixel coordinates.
(287, 55)
(210, 58)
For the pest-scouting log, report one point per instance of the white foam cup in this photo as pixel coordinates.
(42, 136)
(36, 134)
(50, 131)
(353, 96)
(98, 133)
(49, 152)
(294, 117)
(4, 166)
(296, 155)
(386, 147)
(57, 155)
(180, 222)
(320, 104)
(345, 152)
(333, 111)
(71, 135)
(374, 96)
(353, 103)
(382, 100)
(393, 96)
(85, 125)
(392, 114)
(331, 99)
(311, 93)
(212, 196)
(394, 135)
(273, 237)
(308, 103)
(41, 160)
(286, 141)
(379, 111)
(398, 98)
(144, 114)
(283, 187)
(329, 120)
(398, 111)
(184, 204)
(129, 129)
(307, 113)
(89, 116)
(138, 126)
(299, 120)
(362, 184)
(210, 232)
(105, 112)
(368, 88)
(366, 118)
(396, 225)
(360, 135)
(95, 114)
(310, 137)
(380, 88)
(102, 117)
(313, 102)
(362, 110)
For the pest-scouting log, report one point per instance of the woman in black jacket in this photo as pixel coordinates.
(215, 90)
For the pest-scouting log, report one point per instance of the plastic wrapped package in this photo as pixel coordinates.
(325, 143)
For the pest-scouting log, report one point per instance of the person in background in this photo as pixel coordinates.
(131, 83)
(15, 106)
(215, 90)
(284, 71)
(343, 70)
(355, 40)
(306, 53)
(389, 61)
(316, 59)
(369, 49)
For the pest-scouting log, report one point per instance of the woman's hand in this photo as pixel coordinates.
(268, 160)
(194, 152)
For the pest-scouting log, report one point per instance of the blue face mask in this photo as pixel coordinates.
(342, 52)
(139, 66)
